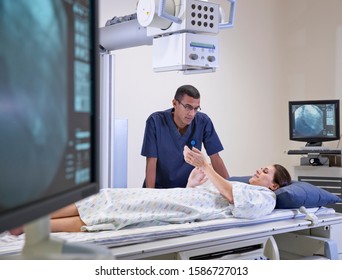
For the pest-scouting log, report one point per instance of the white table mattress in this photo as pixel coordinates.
(10, 244)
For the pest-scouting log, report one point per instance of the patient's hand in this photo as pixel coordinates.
(196, 178)
(194, 157)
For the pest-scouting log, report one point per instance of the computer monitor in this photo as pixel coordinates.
(48, 109)
(314, 121)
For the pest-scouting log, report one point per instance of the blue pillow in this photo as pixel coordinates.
(298, 194)
(305, 194)
(243, 179)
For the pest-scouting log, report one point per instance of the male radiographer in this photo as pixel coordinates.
(166, 134)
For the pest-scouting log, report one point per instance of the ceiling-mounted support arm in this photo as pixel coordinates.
(230, 22)
(163, 14)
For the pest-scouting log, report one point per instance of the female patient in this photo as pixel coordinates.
(207, 196)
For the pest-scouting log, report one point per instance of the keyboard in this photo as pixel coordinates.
(321, 151)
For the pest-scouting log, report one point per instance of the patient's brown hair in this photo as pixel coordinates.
(281, 176)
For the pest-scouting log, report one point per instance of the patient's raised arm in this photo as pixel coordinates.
(196, 158)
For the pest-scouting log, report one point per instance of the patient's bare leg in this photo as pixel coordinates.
(73, 224)
(68, 211)
(69, 224)
(66, 219)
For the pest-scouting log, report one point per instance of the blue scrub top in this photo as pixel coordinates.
(163, 141)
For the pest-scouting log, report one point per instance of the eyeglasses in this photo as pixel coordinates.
(189, 108)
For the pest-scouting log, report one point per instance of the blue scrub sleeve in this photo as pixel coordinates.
(211, 141)
(149, 147)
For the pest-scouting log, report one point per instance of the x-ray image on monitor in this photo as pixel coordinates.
(48, 117)
(314, 121)
(33, 100)
(309, 120)
(45, 99)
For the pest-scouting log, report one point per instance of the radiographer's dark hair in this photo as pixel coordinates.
(281, 176)
(187, 90)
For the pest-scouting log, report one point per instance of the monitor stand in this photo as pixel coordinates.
(39, 244)
(313, 144)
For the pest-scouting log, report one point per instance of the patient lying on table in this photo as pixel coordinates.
(208, 196)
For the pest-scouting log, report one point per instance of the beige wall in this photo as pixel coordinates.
(278, 50)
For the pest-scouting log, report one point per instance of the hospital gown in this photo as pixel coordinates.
(114, 209)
